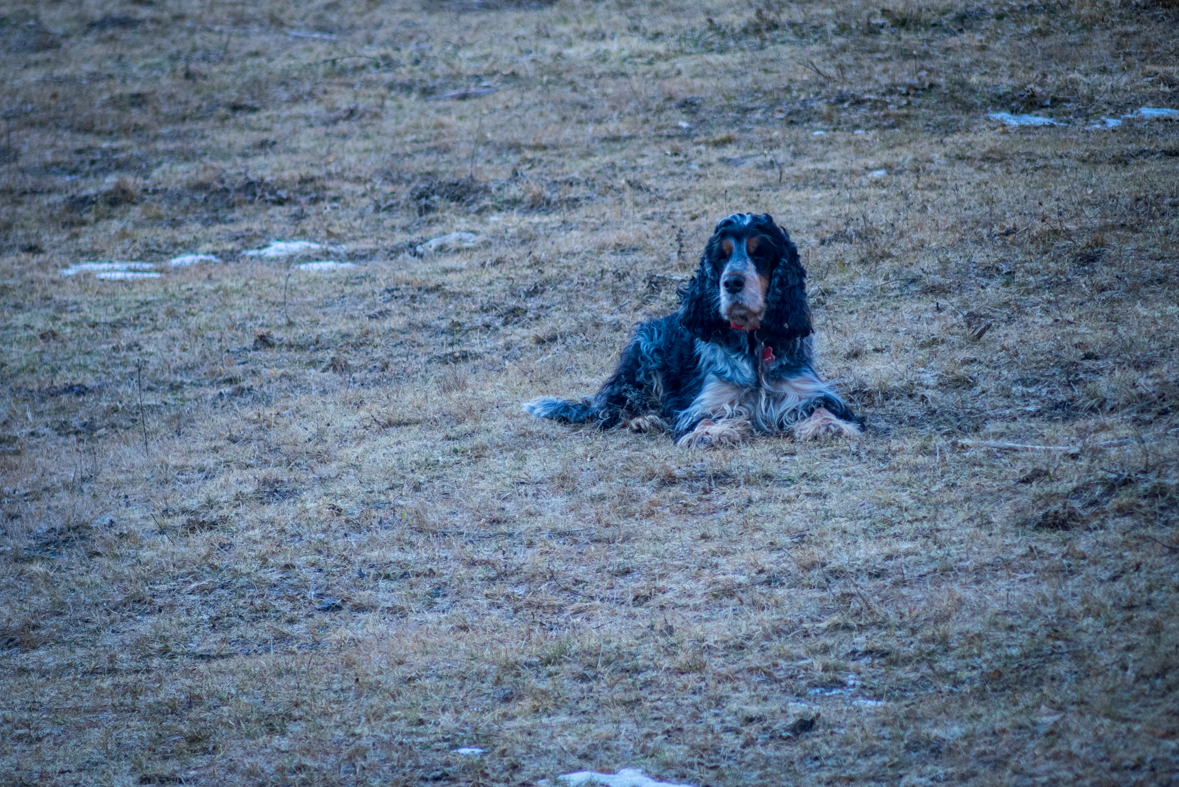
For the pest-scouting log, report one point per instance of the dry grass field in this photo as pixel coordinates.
(267, 525)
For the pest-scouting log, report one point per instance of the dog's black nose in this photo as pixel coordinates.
(734, 283)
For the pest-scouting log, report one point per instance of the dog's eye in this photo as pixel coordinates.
(757, 248)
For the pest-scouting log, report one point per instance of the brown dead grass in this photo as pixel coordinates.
(262, 526)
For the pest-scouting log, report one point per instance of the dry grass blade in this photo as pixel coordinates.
(1068, 449)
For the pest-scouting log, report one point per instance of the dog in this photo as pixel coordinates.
(735, 360)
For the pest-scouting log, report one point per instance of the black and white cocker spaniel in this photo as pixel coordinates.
(735, 360)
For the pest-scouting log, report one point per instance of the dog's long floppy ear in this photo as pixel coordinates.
(787, 314)
(700, 297)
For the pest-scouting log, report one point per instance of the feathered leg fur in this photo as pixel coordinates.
(654, 377)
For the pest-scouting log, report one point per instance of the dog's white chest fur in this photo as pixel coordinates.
(738, 387)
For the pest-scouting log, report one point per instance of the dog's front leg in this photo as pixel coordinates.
(822, 423)
(724, 432)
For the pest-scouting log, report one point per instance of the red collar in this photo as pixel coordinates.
(767, 352)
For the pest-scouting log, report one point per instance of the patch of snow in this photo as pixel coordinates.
(469, 750)
(626, 777)
(310, 34)
(99, 268)
(1022, 120)
(818, 133)
(1106, 123)
(283, 249)
(455, 241)
(126, 275)
(326, 265)
(1143, 113)
(826, 692)
(859, 131)
(864, 702)
(185, 260)
(878, 173)
(685, 126)
(1150, 113)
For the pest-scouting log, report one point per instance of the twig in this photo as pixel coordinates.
(475, 148)
(139, 387)
(1068, 449)
(1161, 544)
(811, 65)
(376, 60)
(285, 282)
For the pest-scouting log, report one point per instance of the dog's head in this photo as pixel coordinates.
(750, 279)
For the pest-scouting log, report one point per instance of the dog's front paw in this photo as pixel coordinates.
(823, 424)
(725, 432)
(645, 423)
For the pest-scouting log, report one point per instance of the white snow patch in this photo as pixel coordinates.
(185, 260)
(100, 268)
(1143, 113)
(826, 692)
(626, 777)
(126, 275)
(818, 133)
(310, 34)
(282, 248)
(1150, 113)
(864, 702)
(878, 173)
(326, 265)
(1106, 123)
(455, 241)
(859, 131)
(473, 751)
(1022, 120)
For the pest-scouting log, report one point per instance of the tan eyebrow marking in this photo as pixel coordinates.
(751, 244)
(727, 246)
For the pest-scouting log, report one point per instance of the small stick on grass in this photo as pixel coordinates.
(1161, 544)
(475, 149)
(1068, 449)
(139, 387)
(1002, 446)
(811, 65)
(286, 281)
(377, 60)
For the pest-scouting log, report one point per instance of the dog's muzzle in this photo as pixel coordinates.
(742, 294)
